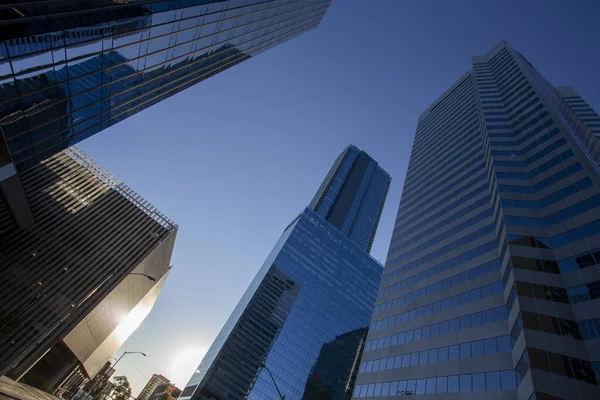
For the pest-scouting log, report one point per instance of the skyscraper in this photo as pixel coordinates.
(76, 284)
(310, 301)
(69, 69)
(493, 267)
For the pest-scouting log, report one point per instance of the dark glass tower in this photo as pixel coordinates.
(69, 69)
(306, 313)
(492, 279)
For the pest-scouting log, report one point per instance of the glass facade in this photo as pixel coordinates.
(352, 196)
(492, 264)
(305, 315)
(69, 69)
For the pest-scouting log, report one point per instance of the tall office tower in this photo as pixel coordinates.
(491, 282)
(75, 285)
(69, 69)
(304, 317)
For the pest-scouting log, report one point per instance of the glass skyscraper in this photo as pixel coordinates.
(492, 279)
(306, 313)
(69, 69)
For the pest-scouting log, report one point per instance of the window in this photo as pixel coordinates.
(433, 355)
(430, 385)
(489, 346)
(508, 380)
(442, 384)
(454, 352)
(398, 362)
(479, 382)
(423, 356)
(465, 350)
(453, 384)
(443, 354)
(477, 348)
(504, 345)
(377, 391)
(492, 380)
(421, 385)
(465, 383)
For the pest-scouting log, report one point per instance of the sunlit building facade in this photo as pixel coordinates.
(75, 285)
(491, 285)
(304, 317)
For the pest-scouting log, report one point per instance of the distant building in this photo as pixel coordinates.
(150, 388)
(306, 313)
(76, 284)
(165, 391)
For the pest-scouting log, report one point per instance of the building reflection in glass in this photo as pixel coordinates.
(335, 371)
(85, 66)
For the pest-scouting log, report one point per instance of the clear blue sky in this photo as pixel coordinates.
(235, 158)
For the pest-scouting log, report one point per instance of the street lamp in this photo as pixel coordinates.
(147, 276)
(282, 397)
(127, 352)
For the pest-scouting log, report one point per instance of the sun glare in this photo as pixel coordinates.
(131, 321)
(184, 364)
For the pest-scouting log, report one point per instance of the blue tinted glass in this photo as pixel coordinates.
(414, 359)
(393, 388)
(385, 389)
(423, 357)
(431, 383)
(377, 391)
(479, 382)
(488, 317)
(411, 387)
(492, 380)
(370, 390)
(508, 380)
(476, 319)
(435, 330)
(453, 384)
(455, 325)
(444, 327)
(421, 385)
(453, 353)
(465, 350)
(465, 383)
(489, 346)
(443, 354)
(406, 360)
(398, 362)
(477, 348)
(433, 356)
(442, 385)
(504, 344)
(465, 322)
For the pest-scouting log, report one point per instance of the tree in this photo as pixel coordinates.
(122, 389)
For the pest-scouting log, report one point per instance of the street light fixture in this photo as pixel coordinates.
(147, 276)
(282, 397)
(127, 352)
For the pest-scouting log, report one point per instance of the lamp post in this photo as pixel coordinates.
(127, 352)
(147, 276)
(282, 397)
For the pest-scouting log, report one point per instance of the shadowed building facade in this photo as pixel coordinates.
(76, 284)
(312, 298)
(491, 282)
